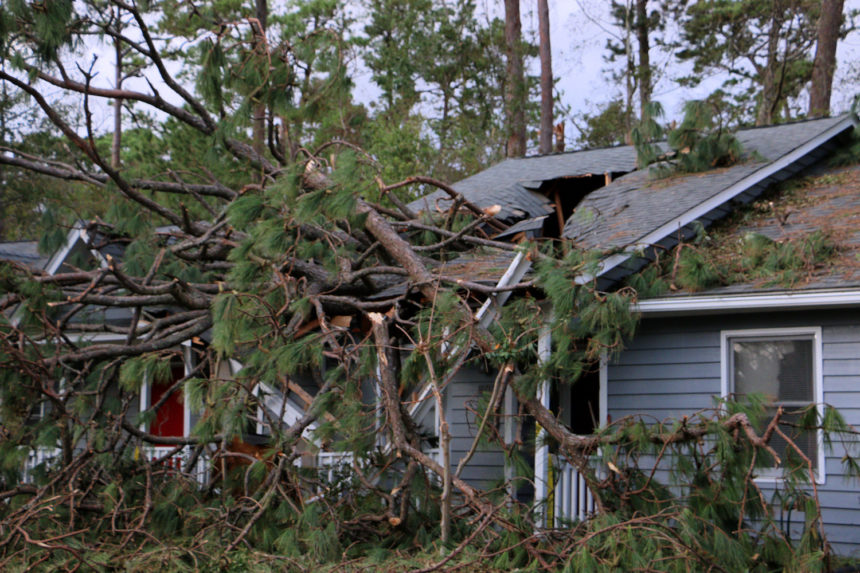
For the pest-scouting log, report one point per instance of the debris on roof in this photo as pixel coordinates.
(628, 209)
(819, 215)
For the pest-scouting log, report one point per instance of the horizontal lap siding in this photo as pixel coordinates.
(665, 372)
(672, 368)
(487, 465)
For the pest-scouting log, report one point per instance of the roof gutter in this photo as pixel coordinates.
(748, 302)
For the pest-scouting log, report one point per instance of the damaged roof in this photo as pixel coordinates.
(638, 215)
(629, 208)
(827, 201)
(25, 252)
(512, 183)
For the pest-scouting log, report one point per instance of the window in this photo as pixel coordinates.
(784, 365)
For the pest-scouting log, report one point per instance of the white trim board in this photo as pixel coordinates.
(749, 302)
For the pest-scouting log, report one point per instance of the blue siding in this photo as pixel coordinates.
(672, 368)
(487, 466)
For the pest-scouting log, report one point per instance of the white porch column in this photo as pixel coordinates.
(542, 449)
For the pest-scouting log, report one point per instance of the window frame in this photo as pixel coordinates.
(762, 334)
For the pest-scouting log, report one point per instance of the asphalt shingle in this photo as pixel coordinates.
(623, 212)
(511, 183)
(25, 252)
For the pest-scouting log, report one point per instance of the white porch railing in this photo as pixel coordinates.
(330, 463)
(34, 458)
(571, 499)
(179, 461)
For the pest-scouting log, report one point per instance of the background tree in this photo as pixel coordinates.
(763, 47)
(515, 86)
(829, 21)
(546, 80)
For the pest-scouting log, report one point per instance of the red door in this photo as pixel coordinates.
(170, 417)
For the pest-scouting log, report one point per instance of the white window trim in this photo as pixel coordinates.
(817, 379)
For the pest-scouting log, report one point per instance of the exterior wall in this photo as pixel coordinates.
(487, 466)
(672, 368)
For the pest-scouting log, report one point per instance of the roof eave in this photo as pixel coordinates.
(749, 302)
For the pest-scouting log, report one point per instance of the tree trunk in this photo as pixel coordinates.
(644, 75)
(630, 76)
(259, 119)
(546, 112)
(116, 142)
(770, 86)
(515, 100)
(825, 57)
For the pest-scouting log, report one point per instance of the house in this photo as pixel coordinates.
(691, 346)
(169, 416)
(696, 344)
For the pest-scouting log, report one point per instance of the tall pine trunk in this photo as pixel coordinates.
(116, 142)
(825, 57)
(644, 75)
(770, 91)
(546, 112)
(259, 119)
(515, 100)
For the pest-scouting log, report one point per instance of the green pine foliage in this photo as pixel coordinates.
(699, 143)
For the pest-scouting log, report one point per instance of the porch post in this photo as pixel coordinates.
(542, 484)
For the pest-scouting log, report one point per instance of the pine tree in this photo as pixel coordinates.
(824, 64)
(765, 47)
(295, 270)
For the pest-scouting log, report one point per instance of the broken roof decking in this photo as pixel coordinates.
(478, 266)
(638, 213)
(511, 183)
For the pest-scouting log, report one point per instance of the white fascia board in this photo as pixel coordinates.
(749, 302)
(720, 198)
(485, 315)
(61, 254)
(515, 272)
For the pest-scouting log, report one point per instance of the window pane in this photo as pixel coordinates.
(779, 369)
(805, 440)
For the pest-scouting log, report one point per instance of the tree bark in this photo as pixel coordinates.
(546, 111)
(644, 72)
(515, 99)
(825, 57)
(259, 119)
(116, 142)
(770, 86)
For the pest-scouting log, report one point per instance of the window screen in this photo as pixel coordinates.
(782, 370)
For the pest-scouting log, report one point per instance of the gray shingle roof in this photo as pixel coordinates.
(26, 252)
(829, 202)
(511, 183)
(627, 210)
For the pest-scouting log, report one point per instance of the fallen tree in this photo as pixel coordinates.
(306, 266)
